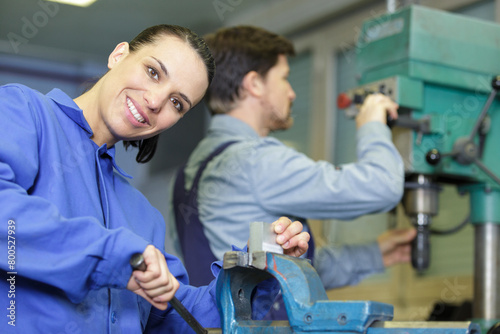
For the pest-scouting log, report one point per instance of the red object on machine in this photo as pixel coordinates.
(343, 101)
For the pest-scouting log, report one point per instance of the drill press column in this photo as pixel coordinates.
(485, 216)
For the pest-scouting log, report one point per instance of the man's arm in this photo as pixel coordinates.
(283, 180)
(349, 264)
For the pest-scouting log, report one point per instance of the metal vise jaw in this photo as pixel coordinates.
(306, 302)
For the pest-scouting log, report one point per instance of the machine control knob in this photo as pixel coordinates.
(495, 83)
(433, 157)
(343, 101)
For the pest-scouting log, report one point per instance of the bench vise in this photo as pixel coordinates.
(306, 302)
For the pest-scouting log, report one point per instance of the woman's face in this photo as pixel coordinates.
(149, 90)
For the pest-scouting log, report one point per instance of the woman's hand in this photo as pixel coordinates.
(156, 284)
(290, 236)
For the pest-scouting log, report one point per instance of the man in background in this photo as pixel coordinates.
(238, 174)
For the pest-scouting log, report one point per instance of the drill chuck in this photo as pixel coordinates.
(420, 249)
(421, 201)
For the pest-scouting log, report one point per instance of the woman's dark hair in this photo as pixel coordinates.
(147, 147)
(237, 51)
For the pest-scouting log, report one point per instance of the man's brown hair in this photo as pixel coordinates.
(237, 51)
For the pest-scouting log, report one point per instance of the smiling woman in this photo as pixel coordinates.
(77, 220)
(146, 86)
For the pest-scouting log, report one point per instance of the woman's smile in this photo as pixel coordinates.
(138, 115)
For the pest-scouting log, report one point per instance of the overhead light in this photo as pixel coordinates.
(80, 3)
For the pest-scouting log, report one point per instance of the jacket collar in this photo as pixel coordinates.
(70, 108)
(232, 126)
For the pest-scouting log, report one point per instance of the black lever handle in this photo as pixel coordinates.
(486, 106)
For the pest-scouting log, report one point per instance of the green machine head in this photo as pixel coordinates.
(442, 69)
(439, 67)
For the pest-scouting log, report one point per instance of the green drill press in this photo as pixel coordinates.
(442, 70)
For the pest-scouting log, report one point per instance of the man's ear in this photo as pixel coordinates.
(253, 84)
(120, 51)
